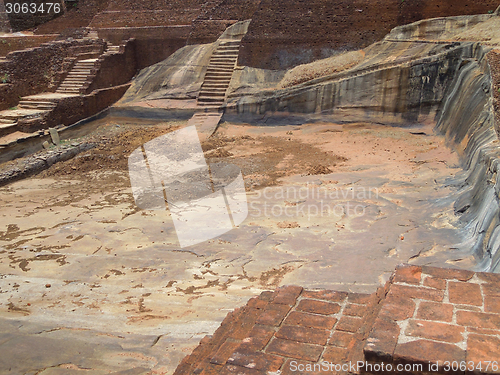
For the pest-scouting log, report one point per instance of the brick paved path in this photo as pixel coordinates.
(424, 316)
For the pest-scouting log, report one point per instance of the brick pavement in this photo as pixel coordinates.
(423, 316)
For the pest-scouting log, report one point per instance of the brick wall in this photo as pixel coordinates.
(22, 21)
(152, 44)
(285, 33)
(74, 18)
(115, 69)
(212, 23)
(34, 70)
(16, 43)
(4, 19)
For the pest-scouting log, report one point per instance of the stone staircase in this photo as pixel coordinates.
(112, 49)
(42, 105)
(206, 123)
(77, 77)
(219, 73)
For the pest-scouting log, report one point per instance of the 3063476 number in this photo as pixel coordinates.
(32, 8)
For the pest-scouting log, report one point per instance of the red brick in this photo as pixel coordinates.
(335, 355)
(482, 331)
(484, 349)
(294, 367)
(465, 294)
(266, 296)
(238, 370)
(382, 341)
(273, 315)
(257, 303)
(435, 311)
(417, 292)
(448, 273)
(341, 339)
(292, 349)
(434, 282)
(327, 295)
(287, 295)
(303, 334)
(224, 352)
(424, 351)
(349, 324)
(245, 324)
(318, 307)
(360, 298)
(256, 361)
(397, 308)
(355, 310)
(211, 369)
(478, 320)
(492, 304)
(491, 289)
(408, 274)
(435, 331)
(468, 308)
(310, 320)
(493, 278)
(258, 338)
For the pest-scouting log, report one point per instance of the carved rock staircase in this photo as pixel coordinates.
(219, 73)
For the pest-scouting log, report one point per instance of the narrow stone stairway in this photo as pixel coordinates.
(206, 123)
(77, 77)
(43, 105)
(219, 73)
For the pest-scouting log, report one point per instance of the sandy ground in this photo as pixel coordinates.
(92, 284)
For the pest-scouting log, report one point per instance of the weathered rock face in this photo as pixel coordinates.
(286, 33)
(180, 76)
(397, 82)
(467, 120)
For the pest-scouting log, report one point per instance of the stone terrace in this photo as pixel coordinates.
(424, 316)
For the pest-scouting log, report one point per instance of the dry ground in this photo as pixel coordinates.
(81, 264)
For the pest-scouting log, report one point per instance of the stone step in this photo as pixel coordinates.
(68, 91)
(221, 90)
(215, 84)
(37, 105)
(76, 79)
(229, 43)
(5, 121)
(210, 87)
(71, 83)
(6, 129)
(226, 53)
(219, 94)
(226, 81)
(214, 69)
(222, 60)
(222, 64)
(82, 67)
(79, 73)
(210, 99)
(219, 74)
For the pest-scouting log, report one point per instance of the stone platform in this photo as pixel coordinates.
(425, 320)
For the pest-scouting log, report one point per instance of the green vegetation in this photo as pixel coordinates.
(4, 78)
